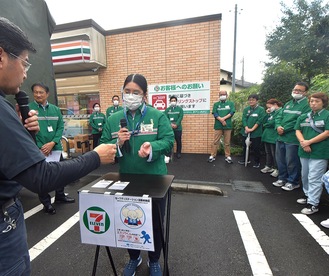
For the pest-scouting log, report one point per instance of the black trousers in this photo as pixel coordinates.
(45, 198)
(178, 139)
(96, 138)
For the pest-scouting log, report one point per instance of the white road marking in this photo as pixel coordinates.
(36, 209)
(257, 259)
(42, 245)
(321, 238)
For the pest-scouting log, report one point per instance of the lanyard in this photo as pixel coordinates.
(136, 130)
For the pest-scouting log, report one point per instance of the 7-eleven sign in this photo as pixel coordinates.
(96, 220)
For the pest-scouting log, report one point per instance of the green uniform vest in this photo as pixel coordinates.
(270, 133)
(112, 109)
(150, 126)
(96, 120)
(287, 118)
(175, 116)
(250, 117)
(51, 125)
(221, 109)
(321, 121)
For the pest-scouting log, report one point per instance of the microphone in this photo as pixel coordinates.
(126, 145)
(22, 100)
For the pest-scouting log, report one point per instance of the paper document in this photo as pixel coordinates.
(119, 185)
(102, 184)
(54, 156)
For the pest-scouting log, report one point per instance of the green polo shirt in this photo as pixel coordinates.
(287, 119)
(321, 121)
(175, 116)
(270, 134)
(250, 117)
(221, 109)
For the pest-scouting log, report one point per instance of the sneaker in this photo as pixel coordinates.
(242, 162)
(310, 209)
(302, 200)
(289, 187)
(279, 183)
(267, 169)
(275, 173)
(131, 267)
(211, 159)
(155, 268)
(228, 159)
(256, 165)
(325, 223)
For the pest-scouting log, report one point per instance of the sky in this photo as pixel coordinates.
(255, 19)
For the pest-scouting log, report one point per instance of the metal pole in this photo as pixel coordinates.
(234, 47)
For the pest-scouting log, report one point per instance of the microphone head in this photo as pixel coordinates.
(123, 122)
(22, 98)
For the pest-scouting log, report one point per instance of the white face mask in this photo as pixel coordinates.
(173, 104)
(296, 96)
(222, 98)
(115, 102)
(272, 108)
(132, 102)
(96, 108)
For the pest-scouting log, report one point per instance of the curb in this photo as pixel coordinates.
(192, 188)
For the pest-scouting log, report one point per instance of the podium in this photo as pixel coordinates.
(156, 187)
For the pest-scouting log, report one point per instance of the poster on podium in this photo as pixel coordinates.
(97, 219)
(133, 222)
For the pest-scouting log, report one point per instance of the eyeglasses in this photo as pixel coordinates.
(26, 64)
(298, 91)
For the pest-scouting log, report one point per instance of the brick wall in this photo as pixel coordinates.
(181, 53)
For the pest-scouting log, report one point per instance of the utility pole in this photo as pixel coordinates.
(234, 46)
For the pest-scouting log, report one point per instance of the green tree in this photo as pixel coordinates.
(302, 38)
(278, 82)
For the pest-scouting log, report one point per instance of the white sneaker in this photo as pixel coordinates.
(278, 183)
(275, 173)
(302, 200)
(325, 223)
(211, 159)
(267, 169)
(228, 159)
(310, 209)
(289, 187)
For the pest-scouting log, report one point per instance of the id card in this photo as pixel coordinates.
(50, 129)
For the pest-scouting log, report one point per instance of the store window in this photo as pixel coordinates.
(76, 97)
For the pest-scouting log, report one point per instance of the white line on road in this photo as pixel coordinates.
(314, 231)
(42, 245)
(36, 209)
(257, 259)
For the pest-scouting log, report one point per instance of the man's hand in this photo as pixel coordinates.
(106, 153)
(280, 130)
(31, 123)
(145, 150)
(47, 148)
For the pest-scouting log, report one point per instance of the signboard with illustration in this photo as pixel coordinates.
(193, 97)
(116, 220)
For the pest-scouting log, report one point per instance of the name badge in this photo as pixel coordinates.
(50, 129)
(100, 124)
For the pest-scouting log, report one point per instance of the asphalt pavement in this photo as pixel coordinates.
(204, 227)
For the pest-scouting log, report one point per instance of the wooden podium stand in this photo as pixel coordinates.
(155, 186)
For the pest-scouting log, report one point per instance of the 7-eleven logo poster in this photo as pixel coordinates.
(97, 219)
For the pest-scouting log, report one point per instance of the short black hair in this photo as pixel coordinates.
(302, 83)
(253, 96)
(115, 96)
(41, 84)
(95, 104)
(173, 97)
(13, 39)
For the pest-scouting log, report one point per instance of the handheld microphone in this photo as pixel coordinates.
(22, 100)
(126, 145)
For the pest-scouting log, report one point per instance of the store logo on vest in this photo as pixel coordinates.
(96, 220)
